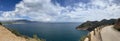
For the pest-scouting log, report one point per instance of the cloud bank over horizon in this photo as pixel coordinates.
(63, 10)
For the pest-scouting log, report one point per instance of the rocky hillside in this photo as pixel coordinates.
(105, 33)
(91, 25)
(7, 35)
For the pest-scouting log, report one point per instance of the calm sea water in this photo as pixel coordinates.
(50, 31)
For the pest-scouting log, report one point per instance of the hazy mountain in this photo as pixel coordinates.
(18, 21)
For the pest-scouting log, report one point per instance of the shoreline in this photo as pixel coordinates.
(8, 35)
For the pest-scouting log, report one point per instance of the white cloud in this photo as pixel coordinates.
(100, 9)
(40, 10)
(44, 10)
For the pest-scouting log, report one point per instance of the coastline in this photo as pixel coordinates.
(7, 35)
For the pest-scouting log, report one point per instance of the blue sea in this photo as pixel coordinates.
(50, 31)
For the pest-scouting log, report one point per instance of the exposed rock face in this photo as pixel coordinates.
(117, 24)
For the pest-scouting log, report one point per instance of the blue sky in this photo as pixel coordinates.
(8, 5)
(59, 10)
(66, 3)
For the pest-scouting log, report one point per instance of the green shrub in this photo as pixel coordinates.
(0, 23)
(83, 38)
(37, 38)
(14, 32)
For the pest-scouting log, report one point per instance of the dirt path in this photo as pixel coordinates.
(110, 34)
(6, 35)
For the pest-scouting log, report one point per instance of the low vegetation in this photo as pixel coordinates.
(0, 23)
(14, 32)
(83, 38)
(34, 38)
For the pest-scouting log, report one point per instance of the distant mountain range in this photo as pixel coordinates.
(25, 21)
(18, 21)
(21, 21)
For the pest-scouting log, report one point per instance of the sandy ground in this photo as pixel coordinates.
(6, 35)
(110, 34)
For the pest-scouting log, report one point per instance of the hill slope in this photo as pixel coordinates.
(6, 35)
